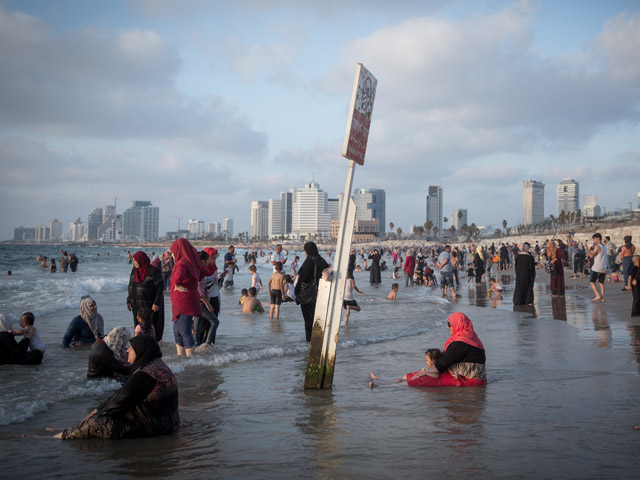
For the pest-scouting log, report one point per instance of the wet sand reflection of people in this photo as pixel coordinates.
(559, 308)
(601, 327)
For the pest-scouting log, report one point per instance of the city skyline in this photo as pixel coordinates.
(202, 107)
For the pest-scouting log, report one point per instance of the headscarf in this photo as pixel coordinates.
(479, 252)
(5, 323)
(462, 329)
(212, 252)
(144, 265)
(186, 255)
(147, 350)
(93, 319)
(117, 340)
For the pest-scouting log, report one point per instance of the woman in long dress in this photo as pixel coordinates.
(374, 270)
(146, 406)
(525, 266)
(310, 271)
(554, 253)
(146, 289)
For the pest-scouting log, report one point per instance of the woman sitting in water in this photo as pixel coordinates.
(146, 406)
(108, 357)
(87, 327)
(461, 365)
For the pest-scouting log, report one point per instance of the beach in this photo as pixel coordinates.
(561, 398)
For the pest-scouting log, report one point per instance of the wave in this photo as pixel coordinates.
(14, 411)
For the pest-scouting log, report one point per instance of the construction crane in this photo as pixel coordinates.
(179, 217)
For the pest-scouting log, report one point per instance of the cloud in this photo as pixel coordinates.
(456, 90)
(117, 85)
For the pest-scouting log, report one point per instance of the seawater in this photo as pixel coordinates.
(561, 398)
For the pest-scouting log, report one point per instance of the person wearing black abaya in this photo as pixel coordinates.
(525, 266)
(374, 270)
(313, 263)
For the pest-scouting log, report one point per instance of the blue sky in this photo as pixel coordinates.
(203, 106)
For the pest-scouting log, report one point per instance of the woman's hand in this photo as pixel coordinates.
(180, 288)
(155, 308)
(129, 306)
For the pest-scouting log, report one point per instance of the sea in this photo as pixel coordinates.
(561, 399)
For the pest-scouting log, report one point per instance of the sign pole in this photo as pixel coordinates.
(328, 312)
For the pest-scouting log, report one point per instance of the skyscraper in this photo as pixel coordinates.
(371, 206)
(195, 227)
(227, 227)
(55, 230)
(141, 221)
(435, 206)
(532, 202)
(275, 220)
(459, 220)
(259, 219)
(310, 211)
(287, 212)
(592, 206)
(76, 231)
(568, 195)
(94, 220)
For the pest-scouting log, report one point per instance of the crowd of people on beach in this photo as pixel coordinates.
(147, 403)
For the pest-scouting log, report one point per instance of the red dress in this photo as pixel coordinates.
(557, 278)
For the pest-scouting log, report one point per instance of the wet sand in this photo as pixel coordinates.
(561, 401)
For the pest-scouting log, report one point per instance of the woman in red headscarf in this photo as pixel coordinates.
(463, 361)
(185, 297)
(146, 290)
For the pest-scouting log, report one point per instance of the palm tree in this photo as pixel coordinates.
(452, 229)
(399, 231)
(435, 232)
(428, 225)
(445, 220)
(474, 230)
(504, 225)
(459, 217)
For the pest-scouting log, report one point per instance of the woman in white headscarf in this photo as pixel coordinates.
(87, 327)
(108, 355)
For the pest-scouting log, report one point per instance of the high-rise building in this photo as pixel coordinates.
(592, 206)
(333, 207)
(55, 230)
(76, 231)
(371, 205)
(532, 202)
(275, 220)
(195, 227)
(458, 220)
(568, 195)
(141, 221)
(259, 219)
(310, 212)
(215, 228)
(24, 234)
(287, 212)
(227, 227)
(42, 233)
(93, 223)
(435, 206)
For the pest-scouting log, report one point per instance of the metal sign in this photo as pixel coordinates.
(362, 98)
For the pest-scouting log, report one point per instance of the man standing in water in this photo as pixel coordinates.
(599, 270)
(229, 265)
(446, 272)
(278, 256)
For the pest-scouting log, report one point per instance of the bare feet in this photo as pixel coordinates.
(371, 385)
(597, 299)
(373, 375)
(48, 429)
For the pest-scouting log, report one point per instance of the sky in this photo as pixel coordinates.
(203, 106)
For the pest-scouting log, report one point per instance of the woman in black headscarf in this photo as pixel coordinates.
(374, 270)
(146, 406)
(308, 275)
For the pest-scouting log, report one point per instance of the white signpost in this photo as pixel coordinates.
(326, 322)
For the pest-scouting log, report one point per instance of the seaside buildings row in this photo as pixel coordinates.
(137, 223)
(308, 212)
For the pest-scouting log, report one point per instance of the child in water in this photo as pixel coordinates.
(244, 292)
(251, 304)
(255, 278)
(495, 287)
(430, 357)
(144, 327)
(36, 346)
(394, 291)
(471, 275)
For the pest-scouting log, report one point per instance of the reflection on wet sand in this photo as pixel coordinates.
(320, 425)
(559, 308)
(601, 327)
(634, 333)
